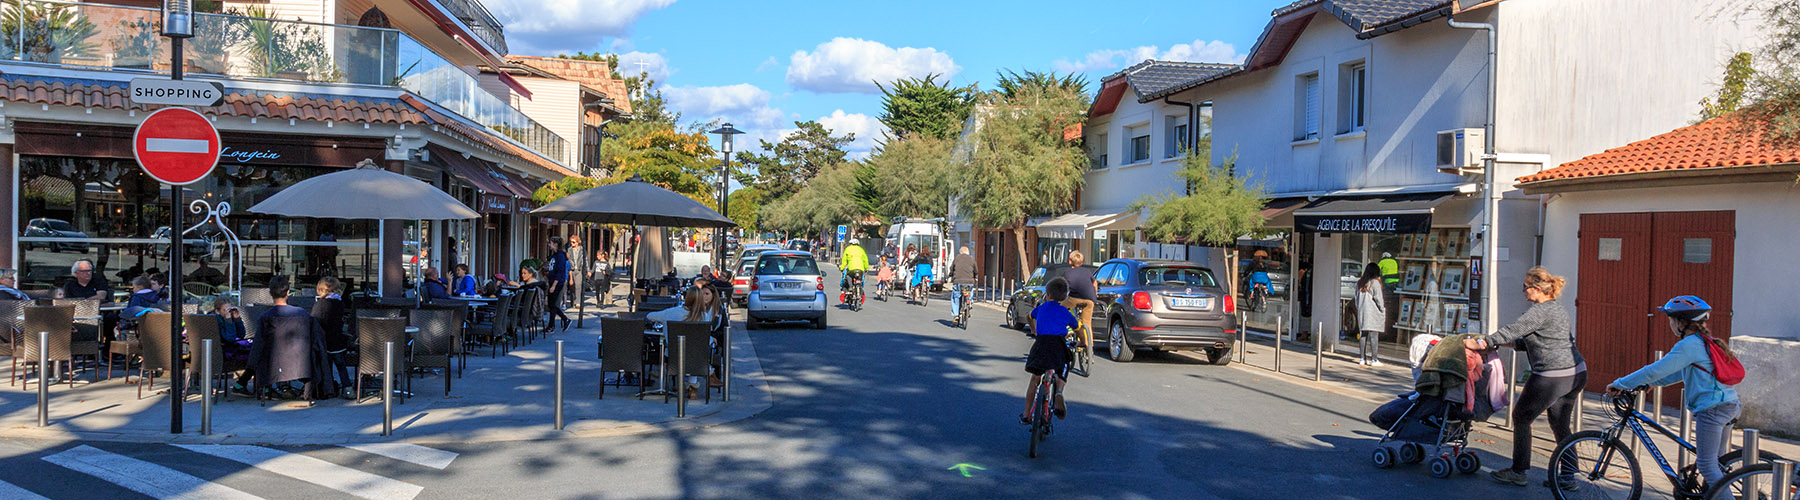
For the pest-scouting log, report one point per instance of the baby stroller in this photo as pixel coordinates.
(1438, 413)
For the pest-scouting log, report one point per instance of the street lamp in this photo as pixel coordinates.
(725, 132)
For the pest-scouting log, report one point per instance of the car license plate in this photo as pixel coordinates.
(787, 285)
(1190, 303)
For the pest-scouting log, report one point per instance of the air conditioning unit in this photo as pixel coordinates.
(1459, 149)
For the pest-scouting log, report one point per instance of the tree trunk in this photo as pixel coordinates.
(1024, 260)
(1231, 272)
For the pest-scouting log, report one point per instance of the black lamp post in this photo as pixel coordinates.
(725, 132)
(178, 25)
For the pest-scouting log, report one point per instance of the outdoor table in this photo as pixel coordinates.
(112, 307)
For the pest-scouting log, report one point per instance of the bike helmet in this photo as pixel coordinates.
(1686, 308)
(853, 241)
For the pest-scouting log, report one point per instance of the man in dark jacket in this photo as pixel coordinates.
(962, 276)
(289, 346)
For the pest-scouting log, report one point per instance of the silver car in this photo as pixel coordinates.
(787, 286)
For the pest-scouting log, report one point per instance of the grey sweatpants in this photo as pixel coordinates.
(1710, 436)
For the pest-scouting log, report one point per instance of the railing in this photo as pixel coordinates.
(114, 37)
(479, 20)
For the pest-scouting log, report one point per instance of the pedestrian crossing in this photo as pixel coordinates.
(165, 472)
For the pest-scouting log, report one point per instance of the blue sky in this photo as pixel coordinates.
(766, 64)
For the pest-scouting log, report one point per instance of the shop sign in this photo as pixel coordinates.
(246, 155)
(1409, 223)
(1475, 291)
(495, 204)
(176, 92)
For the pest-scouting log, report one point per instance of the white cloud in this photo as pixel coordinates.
(1112, 59)
(744, 105)
(546, 27)
(867, 129)
(653, 63)
(854, 65)
(768, 64)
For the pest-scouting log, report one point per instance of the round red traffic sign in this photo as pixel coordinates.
(176, 146)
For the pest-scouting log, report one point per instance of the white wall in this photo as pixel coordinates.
(1119, 184)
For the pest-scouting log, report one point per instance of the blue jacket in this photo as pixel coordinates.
(466, 286)
(1688, 363)
(434, 289)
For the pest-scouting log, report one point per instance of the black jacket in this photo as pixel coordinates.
(329, 313)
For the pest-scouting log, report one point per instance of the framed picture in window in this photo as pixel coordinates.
(1428, 312)
(1413, 279)
(1448, 323)
(1406, 245)
(1405, 317)
(1453, 281)
(1433, 244)
(1418, 245)
(1456, 242)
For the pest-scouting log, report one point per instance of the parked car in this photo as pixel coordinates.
(740, 282)
(787, 285)
(1029, 295)
(750, 251)
(1166, 305)
(193, 248)
(55, 228)
(799, 245)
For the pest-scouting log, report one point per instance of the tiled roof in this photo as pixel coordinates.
(1151, 76)
(593, 74)
(1363, 15)
(113, 95)
(1718, 143)
(484, 136)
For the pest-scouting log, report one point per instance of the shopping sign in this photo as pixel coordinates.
(176, 146)
(177, 92)
(842, 230)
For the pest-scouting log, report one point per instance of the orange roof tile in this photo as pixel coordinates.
(1713, 144)
(485, 137)
(112, 95)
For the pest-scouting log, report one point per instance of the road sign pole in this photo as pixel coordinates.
(176, 248)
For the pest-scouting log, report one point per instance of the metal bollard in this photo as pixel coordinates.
(1278, 346)
(1752, 455)
(1642, 399)
(1243, 338)
(1581, 410)
(43, 379)
(387, 389)
(681, 376)
(1784, 479)
(559, 385)
(725, 365)
(1319, 353)
(1512, 382)
(1687, 429)
(1656, 398)
(206, 392)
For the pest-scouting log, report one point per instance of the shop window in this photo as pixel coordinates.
(1612, 249)
(1696, 250)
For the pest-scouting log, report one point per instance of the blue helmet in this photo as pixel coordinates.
(1686, 308)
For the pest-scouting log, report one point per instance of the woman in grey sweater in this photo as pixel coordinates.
(1371, 313)
(1558, 373)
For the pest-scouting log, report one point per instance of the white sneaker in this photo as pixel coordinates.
(1375, 363)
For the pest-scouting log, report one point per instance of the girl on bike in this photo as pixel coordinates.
(1558, 372)
(884, 276)
(1371, 312)
(1714, 403)
(1050, 326)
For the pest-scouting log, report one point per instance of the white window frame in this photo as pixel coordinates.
(1353, 98)
(1097, 152)
(1176, 127)
(1306, 107)
(1132, 134)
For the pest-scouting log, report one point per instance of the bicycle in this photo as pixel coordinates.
(1259, 297)
(1081, 346)
(962, 299)
(1593, 456)
(1756, 482)
(1042, 421)
(921, 294)
(855, 294)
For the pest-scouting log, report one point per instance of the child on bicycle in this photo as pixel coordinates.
(884, 275)
(1713, 401)
(1050, 326)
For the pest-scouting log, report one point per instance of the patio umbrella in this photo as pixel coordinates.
(634, 202)
(365, 192)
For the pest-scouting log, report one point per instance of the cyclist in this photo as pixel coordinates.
(855, 263)
(1050, 325)
(1259, 283)
(1084, 292)
(1714, 403)
(921, 263)
(962, 276)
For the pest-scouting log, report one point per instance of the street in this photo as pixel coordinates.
(886, 403)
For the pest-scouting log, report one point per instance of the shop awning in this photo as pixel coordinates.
(1388, 214)
(1074, 225)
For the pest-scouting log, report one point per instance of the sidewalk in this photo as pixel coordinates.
(508, 398)
(1377, 385)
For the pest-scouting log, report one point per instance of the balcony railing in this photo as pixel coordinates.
(479, 20)
(114, 37)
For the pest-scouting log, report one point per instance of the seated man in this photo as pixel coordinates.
(289, 347)
(434, 287)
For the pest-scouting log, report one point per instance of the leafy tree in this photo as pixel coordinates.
(1020, 165)
(784, 167)
(923, 106)
(826, 201)
(1218, 208)
(552, 191)
(746, 207)
(865, 182)
(1773, 107)
(1738, 73)
(680, 162)
(1011, 85)
(915, 177)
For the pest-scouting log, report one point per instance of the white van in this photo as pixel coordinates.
(927, 234)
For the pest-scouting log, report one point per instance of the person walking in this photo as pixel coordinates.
(1371, 313)
(557, 280)
(1558, 372)
(1707, 390)
(577, 269)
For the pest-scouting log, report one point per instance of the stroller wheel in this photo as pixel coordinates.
(1440, 467)
(1411, 453)
(1468, 462)
(1383, 457)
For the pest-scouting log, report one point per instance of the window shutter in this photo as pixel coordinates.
(1312, 107)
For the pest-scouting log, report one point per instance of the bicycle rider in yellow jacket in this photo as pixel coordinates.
(855, 261)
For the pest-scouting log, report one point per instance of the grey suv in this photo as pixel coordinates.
(1166, 305)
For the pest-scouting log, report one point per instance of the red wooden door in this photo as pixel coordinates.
(1610, 322)
(1691, 255)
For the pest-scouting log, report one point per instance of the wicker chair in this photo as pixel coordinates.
(58, 320)
(253, 318)
(622, 352)
(372, 334)
(440, 330)
(534, 313)
(10, 311)
(255, 296)
(87, 337)
(206, 327)
(494, 331)
(698, 355)
(156, 338)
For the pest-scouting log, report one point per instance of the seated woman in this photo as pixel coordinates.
(464, 283)
(697, 304)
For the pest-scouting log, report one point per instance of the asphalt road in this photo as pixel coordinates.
(885, 404)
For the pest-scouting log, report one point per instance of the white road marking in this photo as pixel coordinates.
(7, 490)
(429, 457)
(312, 470)
(155, 145)
(143, 477)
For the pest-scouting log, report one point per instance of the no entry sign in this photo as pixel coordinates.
(176, 146)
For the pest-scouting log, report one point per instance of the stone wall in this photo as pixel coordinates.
(1771, 383)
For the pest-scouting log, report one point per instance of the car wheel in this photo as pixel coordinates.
(750, 322)
(1012, 315)
(819, 324)
(1218, 356)
(1115, 343)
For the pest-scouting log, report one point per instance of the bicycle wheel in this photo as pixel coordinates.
(1588, 465)
(1040, 417)
(1734, 459)
(1759, 478)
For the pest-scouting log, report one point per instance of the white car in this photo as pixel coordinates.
(787, 286)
